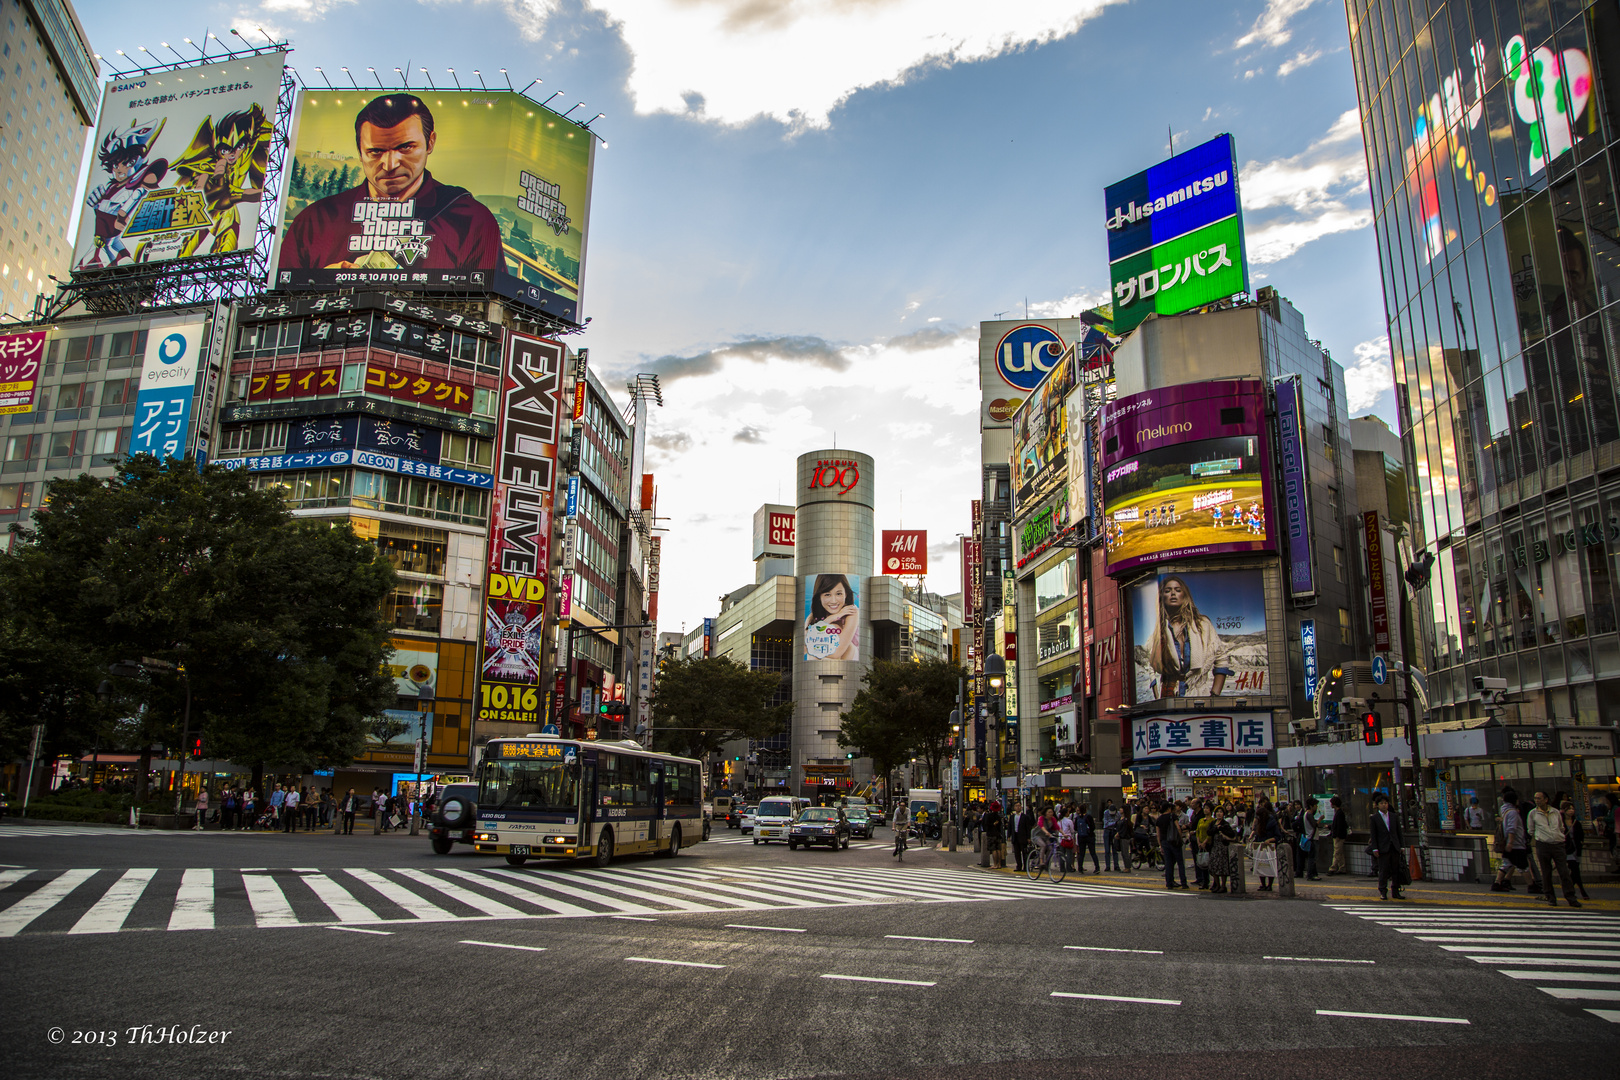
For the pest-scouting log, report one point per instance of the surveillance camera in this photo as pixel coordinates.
(1484, 684)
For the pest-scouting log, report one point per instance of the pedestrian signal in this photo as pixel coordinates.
(196, 748)
(1372, 732)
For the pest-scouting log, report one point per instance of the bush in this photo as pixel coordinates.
(49, 811)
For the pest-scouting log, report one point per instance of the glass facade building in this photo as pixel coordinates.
(1490, 128)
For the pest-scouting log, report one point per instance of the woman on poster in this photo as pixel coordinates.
(1185, 651)
(832, 626)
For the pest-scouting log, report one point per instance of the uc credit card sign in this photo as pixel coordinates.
(1175, 234)
(168, 381)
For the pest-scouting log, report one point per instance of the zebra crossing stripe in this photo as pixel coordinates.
(47, 896)
(527, 896)
(476, 901)
(402, 897)
(194, 903)
(338, 899)
(548, 883)
(270, 905)
(603, 879)
(109, 913)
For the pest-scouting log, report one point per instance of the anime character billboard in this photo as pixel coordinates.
(432, 189)
(180, 163)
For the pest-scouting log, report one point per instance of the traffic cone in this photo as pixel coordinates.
(1414, 864)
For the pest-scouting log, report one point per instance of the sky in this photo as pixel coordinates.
(803, 208)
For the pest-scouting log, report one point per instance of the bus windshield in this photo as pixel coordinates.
(529, 785)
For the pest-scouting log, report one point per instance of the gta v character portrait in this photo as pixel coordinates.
(129, 177)
(399, 218)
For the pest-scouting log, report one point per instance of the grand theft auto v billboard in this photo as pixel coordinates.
(1185, 473)
(437, 190)
(1175, 235)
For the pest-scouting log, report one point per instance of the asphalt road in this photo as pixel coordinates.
(365, 957)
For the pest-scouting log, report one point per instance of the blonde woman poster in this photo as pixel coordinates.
(832, 618)
(1200, 634)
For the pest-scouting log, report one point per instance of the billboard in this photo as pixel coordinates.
(1185, 473)
(518, 553)
(21, 357)
(832, 617)
(1200, 634)
(443, 189)
(1175, 235)
(168, 381)
(1040, 438)
(178, 163)
(1375, 580)
(1296, 506)
(774, 531)
(905, 551)
(1014, 357)
(1197, 735)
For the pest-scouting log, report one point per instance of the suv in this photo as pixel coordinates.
(820, 825)
(773, 817)
(455, 816)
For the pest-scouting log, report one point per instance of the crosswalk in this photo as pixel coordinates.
(86, 830)
(110, 901)
(1572, 956)
(854, 844)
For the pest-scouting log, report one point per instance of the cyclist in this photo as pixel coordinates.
(899, 826)
(1044, 836)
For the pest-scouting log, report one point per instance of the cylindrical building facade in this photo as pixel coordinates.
(1488, 128)
(833, 641)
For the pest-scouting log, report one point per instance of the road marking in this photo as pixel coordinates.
(633, 918)
(109, 913)
(950, 940)
(337, 898)
(676, 963)
(1391, 1016)
(41, 900)
(400, 896)
(1542, 958)
(504, 945)
(1611, 1015)
(1111, 997)
(527, 895)
(270, 906)
(778, 929)
(476, 901)
(194, 903)
(1563, 976)
(868, 978)
(1319, 960)
(1579, 993)
(359, 930)
(1100, 948)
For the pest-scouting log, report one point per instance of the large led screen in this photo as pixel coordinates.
(1200, 634)
(1185, 473)
(447, 190)
(178, 164)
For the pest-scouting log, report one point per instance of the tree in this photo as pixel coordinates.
(903, 710)
(701, 703)
(276, 624)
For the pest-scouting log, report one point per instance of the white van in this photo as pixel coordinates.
(774, 815)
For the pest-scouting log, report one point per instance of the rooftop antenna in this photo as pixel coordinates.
(1170, 129)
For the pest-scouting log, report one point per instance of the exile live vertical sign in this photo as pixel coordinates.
(1375, 580)
(515, 593)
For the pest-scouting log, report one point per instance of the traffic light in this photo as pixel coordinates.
(1372, 732)
(849, 755)
(195, 749)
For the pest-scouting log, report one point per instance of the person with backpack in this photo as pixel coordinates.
(1510, 843)
(1085, 833)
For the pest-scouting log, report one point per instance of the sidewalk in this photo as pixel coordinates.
(1340, 889)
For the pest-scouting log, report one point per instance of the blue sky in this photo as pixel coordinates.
(806, 206)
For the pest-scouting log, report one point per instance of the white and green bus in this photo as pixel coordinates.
(545, 797)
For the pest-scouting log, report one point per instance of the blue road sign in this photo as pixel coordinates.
(1380, 670)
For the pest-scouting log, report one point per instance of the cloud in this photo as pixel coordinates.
(1369, 377)
(1315, 193)
(1271, 28)
(1303, 58)
(748, 435)
(795, 61)
(1069, 306)
(805, 350)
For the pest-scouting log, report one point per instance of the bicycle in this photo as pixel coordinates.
(1043, 859)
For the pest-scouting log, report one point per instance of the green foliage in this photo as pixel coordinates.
(701, 703)
(902, 711)
(277, 623)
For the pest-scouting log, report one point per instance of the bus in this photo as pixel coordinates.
(543, 797)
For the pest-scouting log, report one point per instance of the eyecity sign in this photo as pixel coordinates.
(1175, 235)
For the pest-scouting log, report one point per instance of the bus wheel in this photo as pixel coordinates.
(674, 842)
(442, 845)
(516, 860)
(604, 848)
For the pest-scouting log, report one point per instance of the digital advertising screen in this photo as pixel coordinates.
(437, 190)
(178, 163)
(1200, 634)
(832, 617)
(1185, 473)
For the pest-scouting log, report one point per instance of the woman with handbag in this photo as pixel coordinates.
(1574, 844)
(1222, 835)
(1310, 828)
(1264, 840)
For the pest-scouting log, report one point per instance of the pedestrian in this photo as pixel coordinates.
(202, 807)
(1546, 826)
(1110, 824)
(278, 799)
(1388, 848)
(1510, 842)
(1265, 833)
(1339, 833)
(250, 808)
(1085, 832)
(350, 804)
(1473, 816)
(1574, 845)
(1199, 837)
(992, 834)
(1309, 842)
(289, 810)
(1170, 846)
(227, 810)
(1222, 835)
(1023, 823)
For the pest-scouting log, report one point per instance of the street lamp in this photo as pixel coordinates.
(1416, 577)
(995, 671)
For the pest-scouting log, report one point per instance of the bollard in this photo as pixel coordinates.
(376, 823)
(416, 823)
(1239, 854)
(982, 846)
(1285, 870)
(950, 838)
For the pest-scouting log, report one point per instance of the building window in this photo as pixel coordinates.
(413, 550)
(1344, 626)
(415, 606)
(1327, 441)
(1338, 562)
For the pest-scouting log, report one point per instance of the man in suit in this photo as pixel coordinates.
(1338, 832)
(1388, 847)
(1023, 825)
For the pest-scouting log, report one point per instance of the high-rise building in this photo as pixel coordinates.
(48, 96)
(1488, 129)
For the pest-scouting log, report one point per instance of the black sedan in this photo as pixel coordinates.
(819, 825)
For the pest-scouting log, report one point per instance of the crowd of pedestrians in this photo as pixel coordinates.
(290, 808)
(1547, 838)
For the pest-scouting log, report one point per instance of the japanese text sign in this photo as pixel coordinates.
(1193, 735)
(21, 356)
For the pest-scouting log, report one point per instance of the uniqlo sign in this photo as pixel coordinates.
(905, 551)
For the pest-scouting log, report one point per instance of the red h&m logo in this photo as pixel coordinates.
(905, 551)
(843, 475)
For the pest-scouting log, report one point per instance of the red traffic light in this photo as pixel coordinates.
(196, 747)
(1372, 731)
